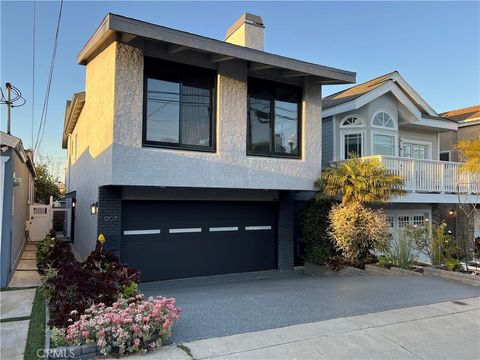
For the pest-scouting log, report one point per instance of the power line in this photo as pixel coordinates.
(43, 118)
(33, 70)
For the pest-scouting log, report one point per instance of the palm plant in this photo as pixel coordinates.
(469, 151)
(360, 180)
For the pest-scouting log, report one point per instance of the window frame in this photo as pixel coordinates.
(449, 152)
(394, 135)
(271, 85)
(213, 104)
(352, 131)
(395, 125)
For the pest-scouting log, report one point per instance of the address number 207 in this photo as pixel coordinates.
(110, 218)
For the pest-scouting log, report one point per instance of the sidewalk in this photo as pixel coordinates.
(447, 330)
(16, 306)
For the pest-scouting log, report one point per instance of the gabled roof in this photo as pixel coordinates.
(414, 108)
(464, 115)
(16, 144)
(220, 50)
(356, 91)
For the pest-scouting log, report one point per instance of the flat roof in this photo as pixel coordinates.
(113, 23)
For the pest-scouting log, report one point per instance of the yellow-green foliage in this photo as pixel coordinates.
(360, 180)
(357, 229)
(469, 150)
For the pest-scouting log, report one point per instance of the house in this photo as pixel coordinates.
(186, 152)
(387, 119)
(17, 193)
(467, 220)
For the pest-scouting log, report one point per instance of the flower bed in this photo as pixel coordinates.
(127, 326)
(96, 304)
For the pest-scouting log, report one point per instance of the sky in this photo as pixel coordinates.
(434, 45)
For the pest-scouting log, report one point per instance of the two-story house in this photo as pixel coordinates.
(186, 151)
(467, 220)
(386, 118)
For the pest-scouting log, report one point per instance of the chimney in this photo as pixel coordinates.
(246, 31)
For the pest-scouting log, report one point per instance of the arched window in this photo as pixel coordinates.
(352, 121)
(352, 136)
(383, 119)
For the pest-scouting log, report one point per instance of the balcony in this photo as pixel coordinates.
(433, 177)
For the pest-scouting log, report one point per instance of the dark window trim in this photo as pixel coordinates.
(272, 85)
(179, 146)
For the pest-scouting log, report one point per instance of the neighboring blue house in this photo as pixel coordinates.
(17, 193)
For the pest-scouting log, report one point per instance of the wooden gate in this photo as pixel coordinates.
(40, 221)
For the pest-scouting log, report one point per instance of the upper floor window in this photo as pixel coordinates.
(273, 119)
(178, 106)
(352, 121)
(383, 119)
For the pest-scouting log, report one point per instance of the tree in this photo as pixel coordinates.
(46, 184)
(469, 151)
(360, 180)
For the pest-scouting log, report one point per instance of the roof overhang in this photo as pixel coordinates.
(408, 109)
(219, 50)
(16, 144)
(73, 110)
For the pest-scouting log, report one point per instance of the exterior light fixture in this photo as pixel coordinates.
(427, 220)
(94, 208)
(74, 203)
(451, 212)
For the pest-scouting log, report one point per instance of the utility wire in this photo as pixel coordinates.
(33, 70)
(43, 119)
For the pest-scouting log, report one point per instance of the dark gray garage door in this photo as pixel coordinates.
(168, 240)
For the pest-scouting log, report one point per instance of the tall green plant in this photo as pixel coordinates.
(360, 180)
(314, 227)
(403, 251)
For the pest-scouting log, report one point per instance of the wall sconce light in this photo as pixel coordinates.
(94, 208)
(427, 219)
(74, 203)
(451, 212)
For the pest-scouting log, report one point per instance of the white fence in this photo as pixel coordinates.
(431, 176)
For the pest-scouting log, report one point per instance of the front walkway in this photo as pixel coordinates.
(446, 330)
(16, 305)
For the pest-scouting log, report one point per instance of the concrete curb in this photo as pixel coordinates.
(451, 275)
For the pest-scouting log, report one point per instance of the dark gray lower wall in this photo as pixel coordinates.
(285, 230)
(110, 216)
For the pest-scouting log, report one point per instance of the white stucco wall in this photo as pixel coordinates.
(229, 166)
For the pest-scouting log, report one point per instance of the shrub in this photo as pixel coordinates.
(126, 326)
(47, 288)
(453, 265)
(314, 226)
(44, 249)
(57, 337)
(337, 262)
(51, 252)
(402, 252)
(356, 230)
(435, 243)
(77, 286)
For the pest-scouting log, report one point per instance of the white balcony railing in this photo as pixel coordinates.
(431, 176)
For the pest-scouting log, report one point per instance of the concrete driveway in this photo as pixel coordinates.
(234, 304)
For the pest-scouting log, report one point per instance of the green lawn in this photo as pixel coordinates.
(36, 329)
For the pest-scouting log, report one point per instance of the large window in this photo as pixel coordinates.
(352, 145)
(352, 137)
(415, 151)
(383, 144)
(273, 119)
(178, 109)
